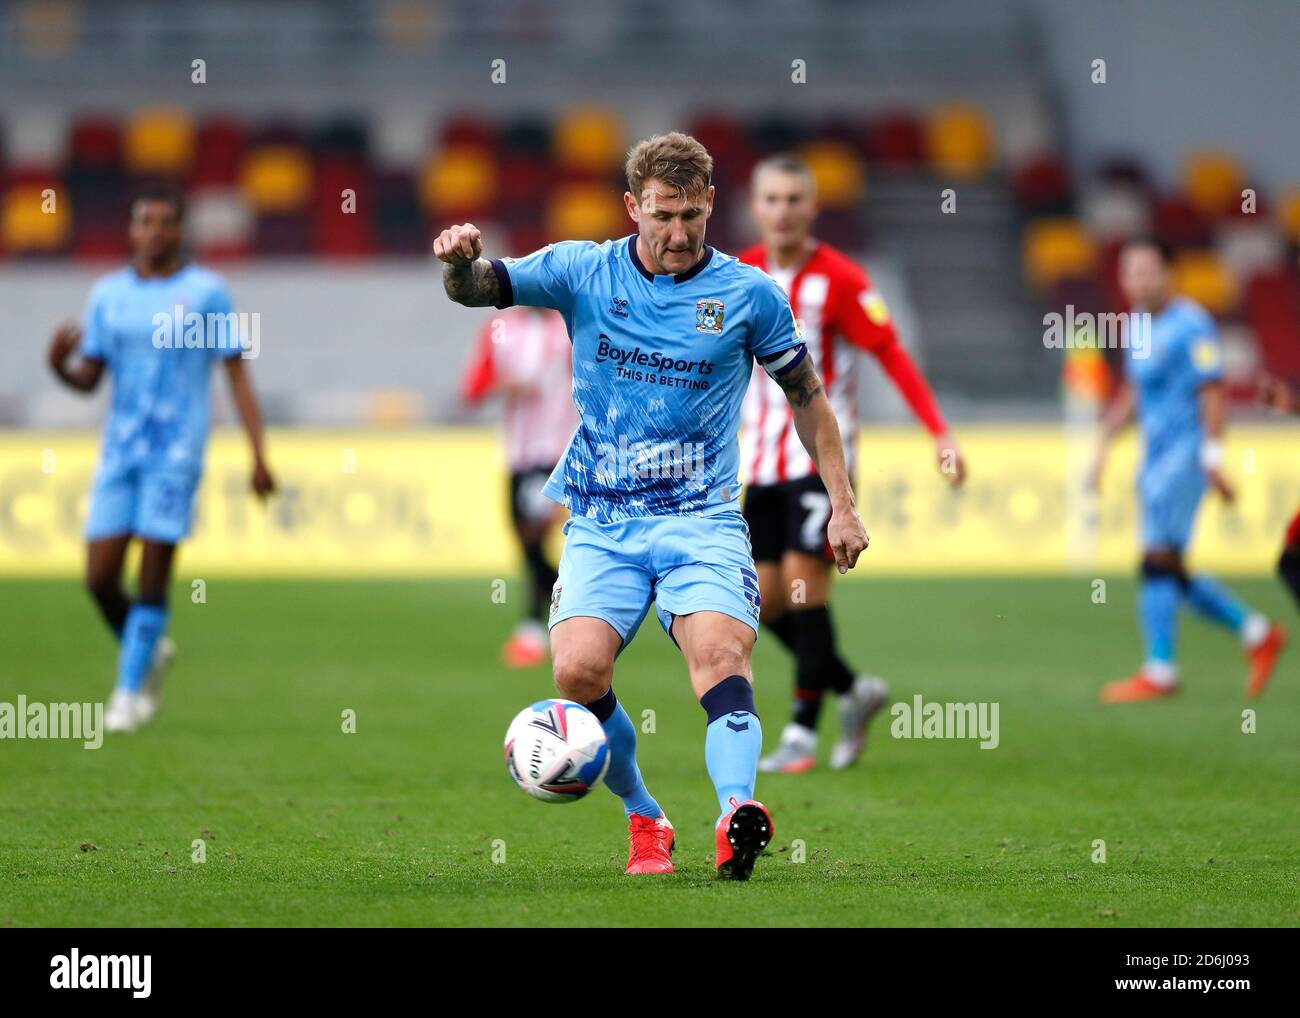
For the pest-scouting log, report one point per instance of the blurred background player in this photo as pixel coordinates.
(786, 503)
(1173, 384)
(151, 455)
(1278, 396)
(523, 355)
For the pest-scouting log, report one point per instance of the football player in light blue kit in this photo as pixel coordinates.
(665, 330)
(151, 455)
(1174, 384)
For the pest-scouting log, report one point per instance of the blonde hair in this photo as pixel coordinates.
(676, 160)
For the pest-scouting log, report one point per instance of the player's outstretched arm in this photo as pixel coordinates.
(250, 415)
(820, 434)
(84, 376)
(467, 276)
(1117, 417)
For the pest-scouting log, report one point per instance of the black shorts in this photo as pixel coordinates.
(527, 503)
(789, 516)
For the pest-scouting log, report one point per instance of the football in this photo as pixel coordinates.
(556, 750)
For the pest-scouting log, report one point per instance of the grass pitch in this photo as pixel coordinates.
(405, 822)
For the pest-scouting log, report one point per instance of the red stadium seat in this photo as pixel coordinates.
(897, 140)
(1178, 224)
(1273, 311)
(1042, 185)
(95, 142)
(218, 152)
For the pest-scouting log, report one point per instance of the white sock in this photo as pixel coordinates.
(1161, 673)
(1253, 630)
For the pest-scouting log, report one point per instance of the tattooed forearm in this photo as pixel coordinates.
(802, 384)
(472, 284)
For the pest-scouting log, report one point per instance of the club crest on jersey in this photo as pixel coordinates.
(618, 307)
(708, 316)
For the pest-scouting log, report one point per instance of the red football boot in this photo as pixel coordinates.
(1139, 687)
(741, 837)
(650, 848)
(1262, 657)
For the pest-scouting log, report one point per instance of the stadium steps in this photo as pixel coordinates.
(981, 331)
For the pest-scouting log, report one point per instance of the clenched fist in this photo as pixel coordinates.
(459, 245)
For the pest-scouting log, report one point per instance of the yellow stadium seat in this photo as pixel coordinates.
(459, 177)
(959, 140)
(26, 228)
(1288, 213)
(159, 141)
(583, 212)
(1201, 276)
(1213, 182)
(277, 178)
(838, 172)
(590, 140)
(1056, 249)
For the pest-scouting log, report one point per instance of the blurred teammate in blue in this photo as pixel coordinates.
(1174, 386)
(159, 325)
(665, 331)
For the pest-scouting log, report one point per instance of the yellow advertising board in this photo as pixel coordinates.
(433, 503)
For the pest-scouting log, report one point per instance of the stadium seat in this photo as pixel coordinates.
(467, 131)
(277, 179)
(1249, 246)
(26, 229)
(459, 182)
(220, 223)
(218, 152)
(95, 142)
(895, 140)
(588, 140)
(1042, 186)
(1213, 182)
(1177, 223)
(1288, 214)
(959, 141)
(1055, 249)
(837, 171)
(159, 142)
(340, 233)
(283, 234)
(1201, 276)
(1116, 211)
(583, 212)
(1273, 312)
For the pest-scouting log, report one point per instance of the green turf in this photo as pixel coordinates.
(396, 824)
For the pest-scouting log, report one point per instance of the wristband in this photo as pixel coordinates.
(1211, 454)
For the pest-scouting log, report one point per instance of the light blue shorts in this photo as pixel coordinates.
(151, 503)
(684, 564)
(1170, 492)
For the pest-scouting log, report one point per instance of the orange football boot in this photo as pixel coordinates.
(650, 848)
(1262, 657)
(524, 649)
(1139, 687)
(741, 837)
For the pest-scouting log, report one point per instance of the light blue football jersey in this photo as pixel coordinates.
(161, 410)
(660, 367)
(1184, 352)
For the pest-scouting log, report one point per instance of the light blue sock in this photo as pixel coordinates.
(1209, 599)
(623, 776)
(1158, 615)
(733, 740)
(145, 623)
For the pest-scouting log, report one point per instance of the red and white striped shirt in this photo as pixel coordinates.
(840, 314)
(525, 353)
